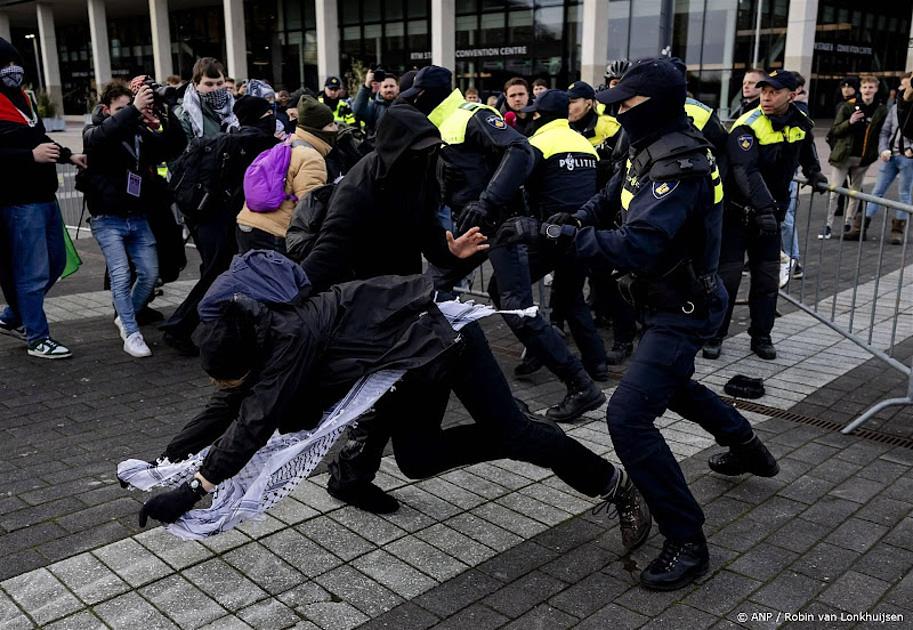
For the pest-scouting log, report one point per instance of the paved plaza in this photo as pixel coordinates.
(501, 544)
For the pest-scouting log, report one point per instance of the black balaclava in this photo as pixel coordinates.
(655, 116)
(228, 345)
(11, 76)
(426, 100)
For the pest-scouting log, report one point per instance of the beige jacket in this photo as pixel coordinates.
(306, 171)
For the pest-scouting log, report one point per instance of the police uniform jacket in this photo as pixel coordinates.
(764, 153)
(342, 113)
(482, 159)
(564, 175)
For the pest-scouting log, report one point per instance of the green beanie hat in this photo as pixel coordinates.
(313, 114)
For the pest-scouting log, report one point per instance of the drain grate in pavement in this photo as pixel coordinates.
(866, 434)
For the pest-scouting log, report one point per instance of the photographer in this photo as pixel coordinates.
(128, 138)
(370, 110)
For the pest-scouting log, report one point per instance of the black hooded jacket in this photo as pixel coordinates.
(382, 216)
(23, 180)
(110, 144)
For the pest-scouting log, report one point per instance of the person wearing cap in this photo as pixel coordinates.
(312, 141)
(751, 93)
(484, 164)
(765, 147)
(589, 119)
(849, 88)
(667, 248)
(332, 98)
(563, 179)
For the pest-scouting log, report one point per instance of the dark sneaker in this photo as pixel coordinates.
(619, 352)
(367, 497)
(798, 272)
(16, 332)
(713, 349)
(633, 514)
(751, 457)
(49, 349)
(678, 564)
(599, 372)
(825, 233)
(184, 346)
(764, 348)
(528, 365)
(582, 396)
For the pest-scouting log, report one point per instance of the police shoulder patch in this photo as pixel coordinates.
(746, 141)
(496, 121)
(661, 189)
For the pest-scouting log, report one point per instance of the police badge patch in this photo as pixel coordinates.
(496, 121)
(661, 189)
(746, 141)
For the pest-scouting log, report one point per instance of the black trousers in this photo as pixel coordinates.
(608, 303)
(412, 417)
(215, 241)
(741, 236)
(253, 238)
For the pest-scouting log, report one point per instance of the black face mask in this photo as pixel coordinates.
(651, 118)
(267, 124)
(327, 136)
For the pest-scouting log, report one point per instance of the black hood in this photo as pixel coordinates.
(98, 114)
(403, 127)
(8, 53)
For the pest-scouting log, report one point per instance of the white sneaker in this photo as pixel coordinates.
(136, 346)
(785, 268)
(120, 328)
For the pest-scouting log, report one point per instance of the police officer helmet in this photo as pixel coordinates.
(615, 69)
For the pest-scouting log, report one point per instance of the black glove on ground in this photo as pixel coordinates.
(518, 230)
(474, 214)
(169, 506)
(564, 218)
(766, 222)
(816, 180)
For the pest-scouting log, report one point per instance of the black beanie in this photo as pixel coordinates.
(9, 53)
(228, 345)
(313, 114)
(249, 109)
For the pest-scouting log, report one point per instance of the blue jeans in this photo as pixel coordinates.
(788, 235)
(897, 165)
(125, 240)
(32, 257)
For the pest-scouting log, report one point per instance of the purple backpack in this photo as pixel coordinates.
(264, 179)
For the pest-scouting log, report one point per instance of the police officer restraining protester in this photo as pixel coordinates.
(764, 148)
(483, 164)
(667, 249)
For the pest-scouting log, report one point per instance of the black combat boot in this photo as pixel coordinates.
(750, 457)
(528, 365)
(764, 347)
(713, 349)
(598, 372)
(619, 352)
(582, 396)
(678, 564)
(364, 496)
(633, 514)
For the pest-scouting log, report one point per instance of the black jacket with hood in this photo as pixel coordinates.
(110, 144)
(306, 356)
(21, 130)
(382, 216)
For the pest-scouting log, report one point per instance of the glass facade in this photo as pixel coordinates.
(282, 42)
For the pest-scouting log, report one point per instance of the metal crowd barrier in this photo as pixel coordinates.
(872, 326)
(476, 285)
(70, 201)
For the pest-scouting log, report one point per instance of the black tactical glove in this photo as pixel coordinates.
(474, 214)
(562, 235)
(766, 222)
(518, 230)
(564, 218)
(169, 506)
(817, 181)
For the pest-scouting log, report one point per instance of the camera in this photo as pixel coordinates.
(379, 74)
(163, 95)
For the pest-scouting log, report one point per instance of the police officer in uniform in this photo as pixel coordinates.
(342, 113)
(589, 118)
(484, 163)
(764, 148)
(667, 248)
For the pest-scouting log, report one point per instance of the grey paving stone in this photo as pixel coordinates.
(315, 496)
(175, 552)
(477, 617)
(80, 621)
(854, 592)
(543, 617)
(902, 593)
(458, 593)
(407, 616)
(885, 511)
(182, 602)
(264, 568)
(577, 564)
(830, 510)
(368, 526)
(857, 535)
(570, 534)
(743, 534)
(223, 542)
(499, 476)
(524, 593)
(270, 614)
(723, 511)
(91, 580)
(130, 611)
(681, 616)
(508, 519)
(333, 615)
(426, 558)
(798, 535)
(451, 493)
(304, 594)
(456, 544)
(554, 497)
(393, 573)
(358, 589)
(10, 614)
(330, 535)
(228, 622)
(517, 561)
(135, 564)
(722, 592)
(408, 518)
(825, 561)
(613, 616)
(258, 528)
(763, 562)
(858, 489)
(475, 484)
(307, 557)
(586, 596)
(902, 535)
(426, 503)
(218, 579)
(41, 595)
(292, 511)
(484, 531)
(790, 592)
(885, 562)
